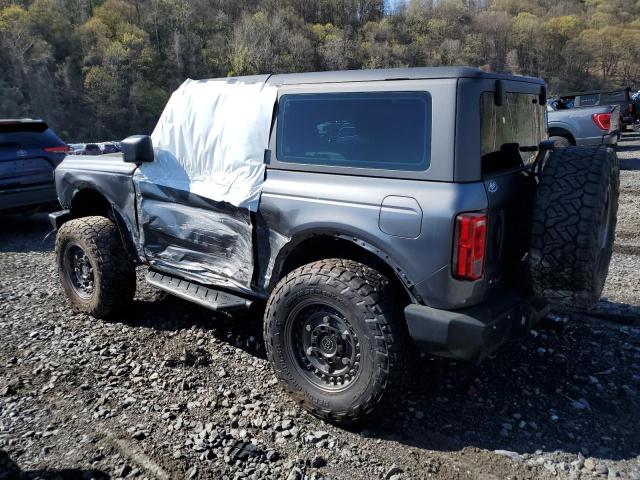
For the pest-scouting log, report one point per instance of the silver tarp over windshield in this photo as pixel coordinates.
(211, 137)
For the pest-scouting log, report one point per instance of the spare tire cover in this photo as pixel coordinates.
(574, 219)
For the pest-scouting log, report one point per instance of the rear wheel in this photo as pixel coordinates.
(95, 272)
(574, 221)
(560, 142)
(333, 341)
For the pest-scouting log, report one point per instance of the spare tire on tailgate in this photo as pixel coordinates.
(574, 220)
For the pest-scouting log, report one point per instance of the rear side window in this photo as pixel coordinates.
(30, 139)
(507, 130)
(377, 130)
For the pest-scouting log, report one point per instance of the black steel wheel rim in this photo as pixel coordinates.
(323, 345)
(79, 271)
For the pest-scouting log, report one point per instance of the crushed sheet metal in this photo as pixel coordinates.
(202, 240)
(211, 138)
(110, 177)
(269, 243)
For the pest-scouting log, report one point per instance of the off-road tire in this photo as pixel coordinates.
(367, 297)
(114, 275)
(574, 219)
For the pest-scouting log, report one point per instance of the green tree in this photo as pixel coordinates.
(104, 68)
(270, 44)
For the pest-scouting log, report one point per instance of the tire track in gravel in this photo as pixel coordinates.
(101, 434)
(627, 249)
(630, 191)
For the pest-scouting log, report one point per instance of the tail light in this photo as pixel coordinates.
(469, 245)
(630, 108)
(602, 121)
(58, 149)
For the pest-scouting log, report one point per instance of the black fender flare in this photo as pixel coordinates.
(59, 218)
(126, 235)
(290, 247)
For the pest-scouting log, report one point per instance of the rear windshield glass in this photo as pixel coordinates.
(506, 129)
(378, 130)
(30, 139)
(614, 97)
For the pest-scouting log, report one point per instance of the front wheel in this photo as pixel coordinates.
(95, 272)
(333, 341)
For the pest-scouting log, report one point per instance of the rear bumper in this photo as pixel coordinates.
(475, 332)
(24, 197)
(608, 139)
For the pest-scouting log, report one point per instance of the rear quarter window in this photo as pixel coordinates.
(376, 130)
(505, 129)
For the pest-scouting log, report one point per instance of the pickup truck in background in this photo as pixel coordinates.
(595, 98)
(598, 125)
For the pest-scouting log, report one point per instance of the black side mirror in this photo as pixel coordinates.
(137, 149)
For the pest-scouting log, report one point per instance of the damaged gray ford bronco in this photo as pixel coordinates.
(401, 210)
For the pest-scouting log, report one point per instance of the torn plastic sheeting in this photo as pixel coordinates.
(208, 246)
(211, 138)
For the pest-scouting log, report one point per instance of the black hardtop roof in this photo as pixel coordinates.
(415, 73)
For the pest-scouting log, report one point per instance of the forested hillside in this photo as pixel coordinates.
(104, 69)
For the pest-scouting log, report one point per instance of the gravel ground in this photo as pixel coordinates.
(623, 284)
(169, 391)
